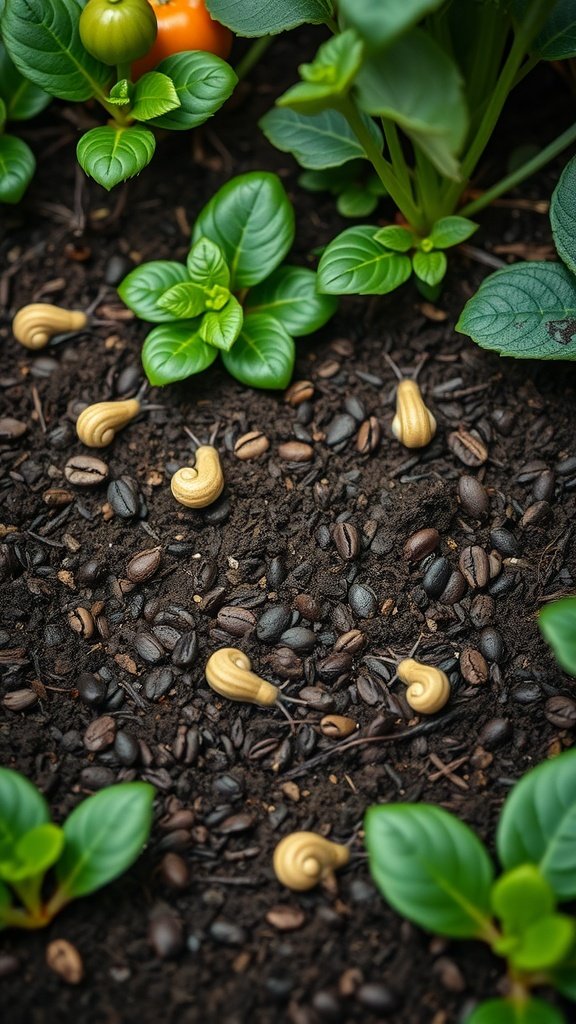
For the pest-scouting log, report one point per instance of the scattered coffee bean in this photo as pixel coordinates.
(123, 497)
(157, 683)
(175, 872)
(85, 471)
(82, 622)
(491, 644)
(285, 918)
(100, 734)
(10, 429)
(352, 641)
(251, 445)
(504, 542)
(185, 650)
(473, 497)
(473, 667)
(19, 700)
(468, 448)
(236, 621)
(436, 577)
(347, 540)
(362, 600)
(421, 544)
(376, 996)
(143, 565)
(544, 485)
(340, 429)
(272, 623)
(126, 748)
(226, 933)
(89, 573)
(455, 588)
(91, 689)
(148, 647)
(166, 935)
(561, 712)
(494, 733)
(64, 959)
(299, 639)
(475, 566)
(285, 663)
(308, 607)
(298, 392)
(368, 437)
(295, 451)
(534, 515)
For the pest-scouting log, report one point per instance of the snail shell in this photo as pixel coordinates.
(413, 425)
(228, 672)
(428, 687)
(199, 486)
(303, 859)
(34, 325)
(96, 426)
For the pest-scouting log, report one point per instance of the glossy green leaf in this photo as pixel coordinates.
(44, 43)
(121, 93)
(206, 264)
(353, 263)
(418, 86)
(538, 824)
(544, 944)
(527, 311)
(430, 867)
(22, 808)
(557, 622)
(222, 327)
(379, 24)
(356, 201)
(557, 38)
(328, 78)
(269, 17)
(202, 81)
(430, 267)
(252, 220)
(450, 231)
(183, 301)
(2, 114)
(522, 896)
(154, 94)
(175, 351)
(141, 288)
(291, 297)
(563, 214)
(104, 836)
(264, 354)
(23, 99)
(316, 141)
(35, 852)
(112, 154)
(499, 1011)
(397, 238)
(17, 166)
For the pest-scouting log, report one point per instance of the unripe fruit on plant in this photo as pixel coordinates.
(118, 31)
(183, 25)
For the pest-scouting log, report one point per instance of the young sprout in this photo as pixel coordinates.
(200, 485)
(413, 425)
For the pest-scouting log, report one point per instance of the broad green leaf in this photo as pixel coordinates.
(222, 327)
(557, 38)
(355, 264)
(202, 81)
(121, 93)
(563, 213)
(430, 267)
(264, 354)
(104, 836)
(430, 867)
(527, 311)
(17, 166)
(499, 1011)
(544, 944)
(356, 201)
(557, 622)
(316, 141)
(22, 808)
(112, 154)
(538, 824)
(183, 301)
(35, 852)
(44, 43)
(328, 78)
(291, 297)
(23, 99)
(269, 17)
(175, 351)
(252, 220)
(521, 896)
(397, 238)
(450, 231)
(142, 288)
(154, 94)
(418, 86)
(2, 114)
(380, 23)
(206, 264)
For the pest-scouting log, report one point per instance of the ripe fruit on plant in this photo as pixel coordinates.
(118, 31)
(183, 25)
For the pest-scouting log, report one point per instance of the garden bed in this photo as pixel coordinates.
(225, 798)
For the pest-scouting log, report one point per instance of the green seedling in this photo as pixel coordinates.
(557, 622)
(20, 100)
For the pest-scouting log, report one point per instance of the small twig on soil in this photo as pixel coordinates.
(480, 256)
(218, 880)
(38, 408)
(139, 702)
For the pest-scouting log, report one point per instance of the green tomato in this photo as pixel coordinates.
(118, 31)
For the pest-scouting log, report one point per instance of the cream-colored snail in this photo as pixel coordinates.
(413, 425)
(303, 859)
(229, 673)
(34, 325)
(97, 425)
(199, 486)
(428, 687)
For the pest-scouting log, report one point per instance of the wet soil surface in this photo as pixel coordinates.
(295, 556)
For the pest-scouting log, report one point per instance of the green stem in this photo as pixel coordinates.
(395, 149)
(255, 52)
(530, 167)
(332, 25)
(123, 71)
(29, 893)
(428, 189)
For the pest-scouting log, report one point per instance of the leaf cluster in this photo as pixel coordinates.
(434, 871)
(99, 840)
(20, 100)
(232, 297)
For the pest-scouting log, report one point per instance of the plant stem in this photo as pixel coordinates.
(395, 149)
(530, 167)
(123, 71)
(254, 53)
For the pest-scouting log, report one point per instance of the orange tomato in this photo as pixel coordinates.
(183, 25)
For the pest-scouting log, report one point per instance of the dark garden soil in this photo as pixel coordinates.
(231, 944)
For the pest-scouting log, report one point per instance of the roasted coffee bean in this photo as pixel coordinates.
(64, 959)
(205, 574)
(494, 733)
(474, 566)
(100, 734)
(167, 635)
(543, 486)
(503, 585)
(531, 471)
(503, 420)
(455, 588)
(80, 621)
(566, 467)
(272, 623)
(504, 542)
(340, 429)
(85, 471)
(495, 563)
(10, 429)
(473, 497)
(236, 621)
(421, 544)
(116, 268)
(368, 437)
(184, 652)
(143, 565)
(91, 689)
(369, 690)
(534, 515)
(526, 693)
(299, 639)
(166, 935)
(376, 996)
(308, 607)
(295, 451)
(335, 666)
(89, 573)
(491, 644)
(212, 601)
(298, 392)
(175, 872)
(436, 577)
(352, 641)
(148, 647)
(473, 667)
(126, 748)
(362, 600)
(276, 572)
(317, 698)
(347, 540)
(96, 777)
(468, 448)
(251, 445)
(285, 663)
(561, 712)
(226, 933)
(19, 700)
(337, 727)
